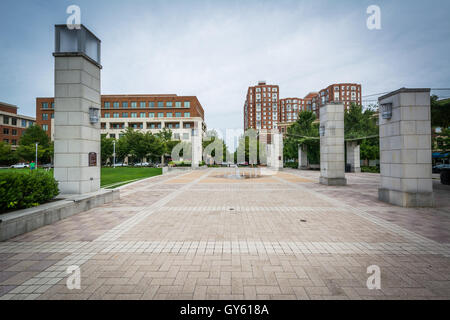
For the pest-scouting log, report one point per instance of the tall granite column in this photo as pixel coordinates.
(405, 148)
(353, 156)
(77, 105)
(302, 157)
(277, 150)
(332, 157)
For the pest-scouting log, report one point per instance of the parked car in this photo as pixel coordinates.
(142, 164)
(445, 175)
(20, 165)
(47, 166)
(121, 164)
(438, 168)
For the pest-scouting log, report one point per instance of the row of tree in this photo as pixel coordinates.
(359, 124)
(26, 150)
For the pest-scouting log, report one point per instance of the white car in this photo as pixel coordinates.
(20, 166)
(142, 164)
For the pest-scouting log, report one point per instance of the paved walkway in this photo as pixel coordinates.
(196, 235)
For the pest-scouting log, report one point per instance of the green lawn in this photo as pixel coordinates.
(116, 177)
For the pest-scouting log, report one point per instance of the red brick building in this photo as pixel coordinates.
(347, 93)
(150, 112)
(261, 107)
(12, 125)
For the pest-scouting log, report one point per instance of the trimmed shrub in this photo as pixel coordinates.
(368, 169)
(26, 189)
(293, 165)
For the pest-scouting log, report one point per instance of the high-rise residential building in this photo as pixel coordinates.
(12, 125)
(150, 112)
(347, 93)
(261, 107)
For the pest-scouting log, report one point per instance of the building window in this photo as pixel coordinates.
(115, 115)
(151, 126)
(112, 135)
(5, 120)
(169, 115)
(187, 114)
(177, 114)
(151, 114)
(151, 104)
(160, 114)
(185, 136)
(187, 104)
(124, 114)
(45, 116)
(142, 104)
(107, 105)
(134, 114)
(14, 132)
(24, 123)
(125, 105)
(169, 104)
(44, 105)
(5, 131)
(14, 142)
(176, 136)
(116, 105)
(160, 104)
(14, 121)
(133, 104)
(178, 104)
(45, 127)
(142, 115)
(30, 123)
(107, 115)
(187, 125)
(53, 105)
(169, 125)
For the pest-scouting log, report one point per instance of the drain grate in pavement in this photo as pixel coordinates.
(303, 220)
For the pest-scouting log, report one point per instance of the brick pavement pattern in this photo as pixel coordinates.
(198, 235)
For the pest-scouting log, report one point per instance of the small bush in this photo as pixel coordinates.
(20, 190)
(375, 169)
(293, 165)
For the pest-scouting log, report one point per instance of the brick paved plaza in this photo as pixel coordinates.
(196, 235)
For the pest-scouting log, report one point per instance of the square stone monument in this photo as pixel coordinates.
(353, 156)
(332, 157)
(77, 110)
(277, 150)
(405, 148)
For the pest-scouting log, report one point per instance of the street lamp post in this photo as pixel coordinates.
(114, 153)
(36, 154)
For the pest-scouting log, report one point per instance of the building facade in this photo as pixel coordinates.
(149, 113)
(261, 107)
(346, 93)
(12, 125)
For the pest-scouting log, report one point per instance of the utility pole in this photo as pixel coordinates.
(36, 154)
(114, 153)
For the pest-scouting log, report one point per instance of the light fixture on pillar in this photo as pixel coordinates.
(386, 111)
(77, 42)
(93, 115)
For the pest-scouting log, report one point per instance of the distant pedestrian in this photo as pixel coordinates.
(32, 165)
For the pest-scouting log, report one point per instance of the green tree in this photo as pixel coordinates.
(165, 137)
(359, 123)
(305, 131)
(27, 145)
(106, 147)
(440, 112)
(7, 155)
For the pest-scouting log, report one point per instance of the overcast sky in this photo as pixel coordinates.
(216, 49)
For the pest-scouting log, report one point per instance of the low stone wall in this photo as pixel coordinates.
(19, 222)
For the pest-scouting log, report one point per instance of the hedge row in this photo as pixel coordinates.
(19, 190)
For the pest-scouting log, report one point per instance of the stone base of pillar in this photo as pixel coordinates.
(406, 199)
(355, 170)
(333, 181)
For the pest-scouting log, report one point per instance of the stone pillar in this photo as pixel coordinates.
(196, 139)
(302, 157)
(277, 150)
(405, 148)
(353, 158)
(332, 157)
(77, 112)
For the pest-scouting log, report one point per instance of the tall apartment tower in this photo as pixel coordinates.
(346, 93)
(261, 108)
